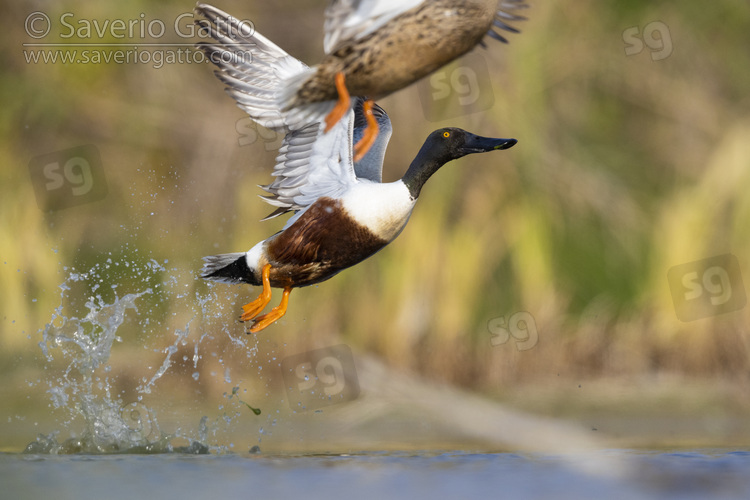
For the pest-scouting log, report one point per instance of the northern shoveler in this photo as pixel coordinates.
(376, 47)
(344, 213)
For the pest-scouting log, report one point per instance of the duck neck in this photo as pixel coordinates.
(421, 169)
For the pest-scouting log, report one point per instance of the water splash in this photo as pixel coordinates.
(80, 384)
(128, 335)
(170, 351)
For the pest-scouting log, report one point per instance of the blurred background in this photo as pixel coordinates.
(594, 273)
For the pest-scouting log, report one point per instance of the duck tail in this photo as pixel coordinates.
(502, 17)
(259, 75)
(227, 268)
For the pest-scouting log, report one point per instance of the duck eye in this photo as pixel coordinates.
(446, 134)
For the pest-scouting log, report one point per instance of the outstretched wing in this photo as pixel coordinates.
(296, 187)
(255, 70)
(310, 163)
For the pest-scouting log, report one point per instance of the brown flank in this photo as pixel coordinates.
(322, 242)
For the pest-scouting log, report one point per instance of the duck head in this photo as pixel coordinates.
(442, 146)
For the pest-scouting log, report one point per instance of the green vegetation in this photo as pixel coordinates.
(626, 166)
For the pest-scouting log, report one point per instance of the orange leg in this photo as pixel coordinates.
(371, 133)
(342, 106)
(275, 313)
(252, 309)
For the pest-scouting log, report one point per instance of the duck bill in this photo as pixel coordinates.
(478, 144)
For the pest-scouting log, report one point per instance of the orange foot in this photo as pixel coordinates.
(342, 106)
(371, 133)
(275, 313)
(252, 309)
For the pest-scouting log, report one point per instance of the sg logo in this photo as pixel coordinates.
(660, 46)
(707, 287)
(520, 326)
(467, 84)
(249, 131)
(68, 178)
(322, 377)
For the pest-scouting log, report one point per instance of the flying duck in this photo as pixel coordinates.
(376, 47)
(343, 212)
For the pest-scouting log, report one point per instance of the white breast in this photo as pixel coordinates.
(383, 208)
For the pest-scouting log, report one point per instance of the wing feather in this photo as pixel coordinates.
(348, 20)
(310, 163)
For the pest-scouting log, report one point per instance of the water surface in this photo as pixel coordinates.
(716, 474)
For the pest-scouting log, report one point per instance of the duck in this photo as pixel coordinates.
(376, 47)
(343, 212)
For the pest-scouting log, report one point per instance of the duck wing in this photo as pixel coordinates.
(310, 163)
(371, 166)
(256, 71)
(299, 172)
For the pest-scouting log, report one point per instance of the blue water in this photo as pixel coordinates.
(455, 475)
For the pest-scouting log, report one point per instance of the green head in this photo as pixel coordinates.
(444, 145)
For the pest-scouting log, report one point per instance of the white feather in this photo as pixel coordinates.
(253, 256)
(383, 208)
(354, 19)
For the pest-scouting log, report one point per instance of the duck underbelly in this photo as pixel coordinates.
(408, 48)
(286, 274)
